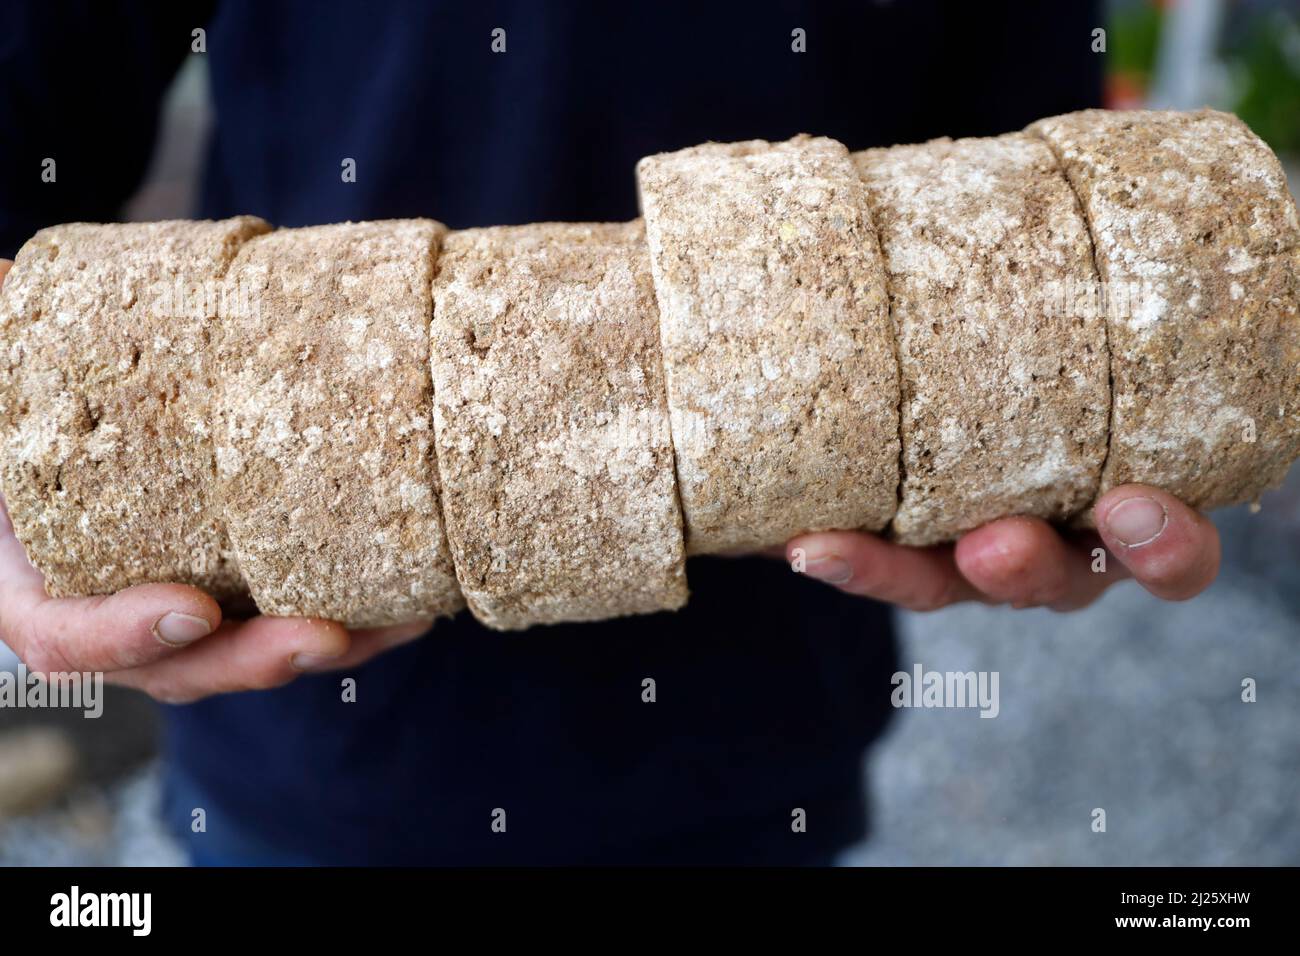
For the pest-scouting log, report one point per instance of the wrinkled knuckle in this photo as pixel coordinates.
(44, 651)
(11, 633)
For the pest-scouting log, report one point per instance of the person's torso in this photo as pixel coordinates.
(767, 686)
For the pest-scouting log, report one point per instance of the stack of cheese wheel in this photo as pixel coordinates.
(378, 422)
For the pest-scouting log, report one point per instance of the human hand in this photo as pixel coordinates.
(169, 640)
(1170, 549)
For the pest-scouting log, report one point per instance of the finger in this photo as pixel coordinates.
(919, 579)
(116, 631)
(372, 642)
(1172, 550)
(1102, 571)
(5, 266)
(1025, 562)
(257, 654)
(112, 632)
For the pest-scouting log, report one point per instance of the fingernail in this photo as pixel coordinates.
(832, 570)
(1137, 521)
(312, 662)
(179, 629)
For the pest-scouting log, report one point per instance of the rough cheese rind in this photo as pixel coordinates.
(154, 391)
(1198, 248)
(782, 381)
(552, 425)
(107, 399)
(325, 443)
(1005, 395)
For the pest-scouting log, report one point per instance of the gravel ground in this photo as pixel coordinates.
(114, 826)
(1133, 706)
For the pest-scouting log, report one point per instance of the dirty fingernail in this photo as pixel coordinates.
(831, 570)
(1137, 521)
(312, 662)
(180, 629)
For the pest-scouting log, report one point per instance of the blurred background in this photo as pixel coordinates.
(1132, 706)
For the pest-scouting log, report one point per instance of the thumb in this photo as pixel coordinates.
(1172, 550)
(115, 632)
(103, 633)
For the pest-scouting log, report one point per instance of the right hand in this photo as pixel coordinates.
(168, 640)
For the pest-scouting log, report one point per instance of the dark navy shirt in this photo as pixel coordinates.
(768, 686)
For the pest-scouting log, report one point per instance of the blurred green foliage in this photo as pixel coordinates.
(1132, 38)
(1265, 70)
(1259, 51)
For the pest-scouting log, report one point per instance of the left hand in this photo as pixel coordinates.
(169, 640)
